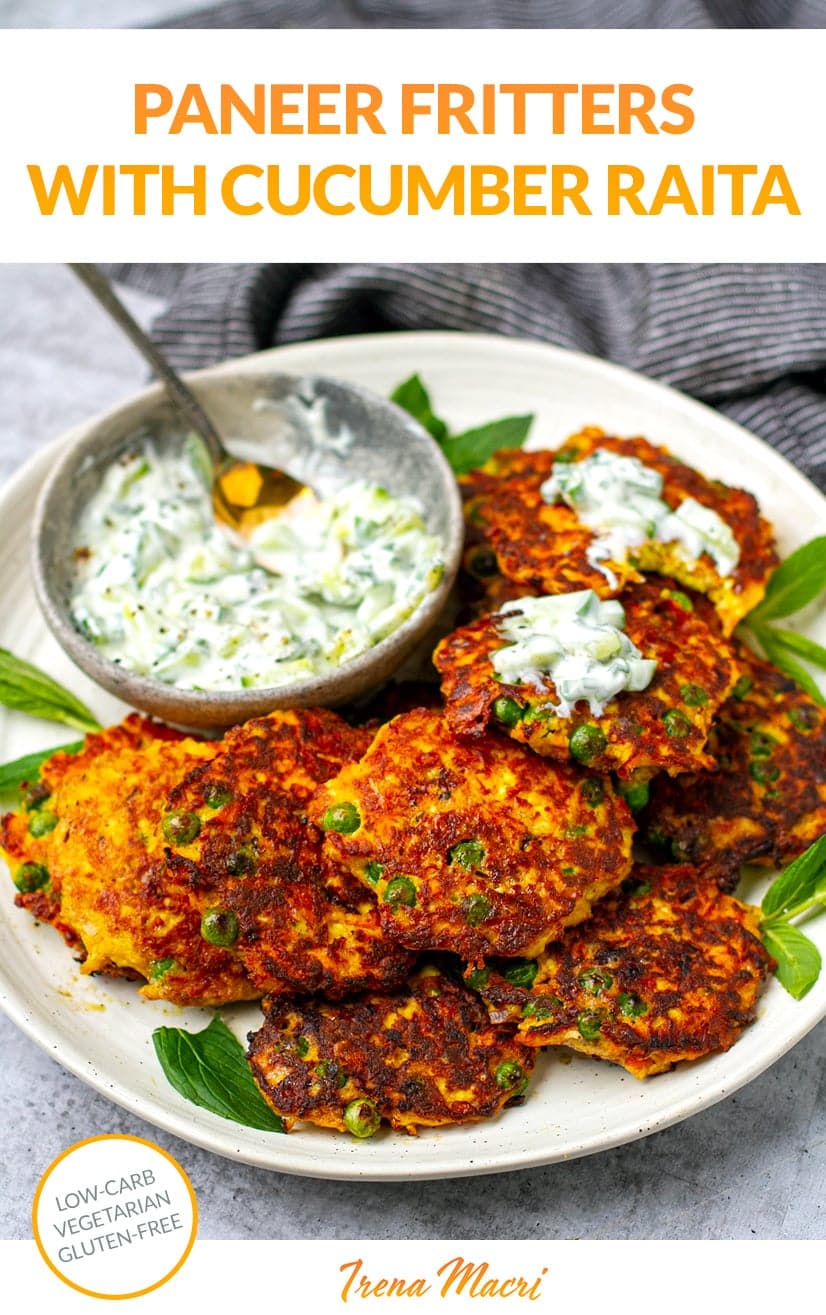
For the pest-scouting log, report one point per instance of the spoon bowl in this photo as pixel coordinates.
(329, 433)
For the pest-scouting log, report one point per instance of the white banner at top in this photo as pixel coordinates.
(416, 145)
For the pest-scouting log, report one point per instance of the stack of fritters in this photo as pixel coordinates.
(426, 901)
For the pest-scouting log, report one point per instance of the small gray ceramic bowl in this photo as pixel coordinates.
(297, 424)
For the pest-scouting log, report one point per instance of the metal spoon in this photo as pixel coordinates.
(244, 493)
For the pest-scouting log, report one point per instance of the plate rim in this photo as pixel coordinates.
(45, 1031)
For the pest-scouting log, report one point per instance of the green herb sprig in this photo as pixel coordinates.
(26, 688)
(798, 892)
(798, 581)
(209, 1069)
(472, 447)
(15, 774)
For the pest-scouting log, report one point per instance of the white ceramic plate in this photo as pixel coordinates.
(101, 1030)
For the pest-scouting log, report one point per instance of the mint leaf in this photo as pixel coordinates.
(209, 1068)
(26, 688)
(13, 774)
(797, 581)
(474, 447)
(799, 644)
(413, 397)
(798, 959)
(797, 885)
(780, 657)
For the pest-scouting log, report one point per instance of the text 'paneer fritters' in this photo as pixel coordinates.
(545, 546)
(661, 728)
(766, 803)
(475, 846)
(237, 833)
(108, 871)
(426, 1056)
(666, 969)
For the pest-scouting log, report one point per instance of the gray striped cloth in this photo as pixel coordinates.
(748, 339)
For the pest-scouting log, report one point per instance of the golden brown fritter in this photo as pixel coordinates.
(426, 1056)
(661, 728)
(238, 836)
(473, 846)
(544, 546)
(667, 969)
(109, 882)
(766, 803)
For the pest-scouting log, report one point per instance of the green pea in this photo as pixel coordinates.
(326, 1068)
(373, 871)
(676, 723)
(586, 743)
(571, 832)
(511, 1077)
(242, 862)
(361, 1117)
(478, 979)
(694, 696)
(682, 600)
(159, 968)
(593, 791)
(400, 890)
(483, 563)
(763, 773)
(40, 824)
(633, 888)
(635, 794)
(507, 711)
(538, 1009)
(631, 1006)
(521, 972)
(595, 981)
(181, 828)
(742, 687)
(476, 908)
(344, 818)
(468, 853)
(30, 877)
(761, 745)
(804, 718)
(215, 795)
(589, 1024)
(569, 872)
(219, 927)
(302, 1047)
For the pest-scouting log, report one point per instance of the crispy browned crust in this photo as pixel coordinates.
(766, 803)
(694, 663)
(544, 547)
(304, 924)
(426, 1056)
(668, 969)
(549, 847)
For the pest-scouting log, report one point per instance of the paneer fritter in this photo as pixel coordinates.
(475, 846)
(667, 969)
(661, 728)
(107, 871)
(237, 833)
(426, 1056)
(766, 802)
(545, 546)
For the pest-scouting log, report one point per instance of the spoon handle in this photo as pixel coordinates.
(182, 396)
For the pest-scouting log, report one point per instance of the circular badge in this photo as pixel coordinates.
(114, 1216)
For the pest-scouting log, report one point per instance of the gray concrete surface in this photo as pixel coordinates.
(93, 13)
(751, 1167)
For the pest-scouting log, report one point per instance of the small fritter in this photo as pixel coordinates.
(107, 875)
(477, 846)
(766, 803)
(237, 834)
(667, 969)
(426, 1056)
(544, 546)
(661, 728)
